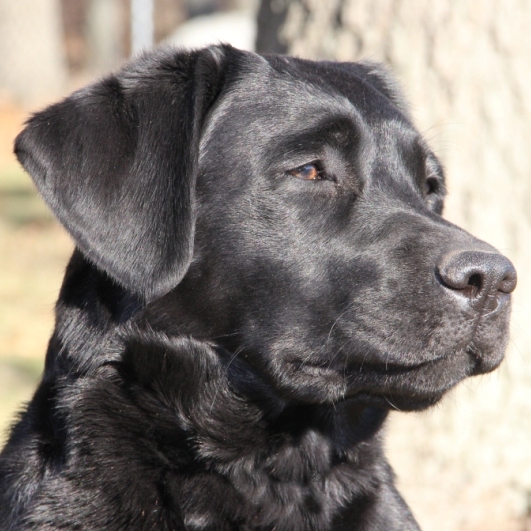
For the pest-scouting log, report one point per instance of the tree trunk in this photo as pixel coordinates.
(32, 60)
(465, 67)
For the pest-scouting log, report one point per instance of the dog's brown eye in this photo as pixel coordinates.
(308, 172)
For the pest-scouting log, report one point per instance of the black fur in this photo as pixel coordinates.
(230, 335)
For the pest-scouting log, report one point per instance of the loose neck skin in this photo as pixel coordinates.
(208, 426)
(279, 457)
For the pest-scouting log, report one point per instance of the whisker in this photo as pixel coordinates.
(395, 407)
(233, 357)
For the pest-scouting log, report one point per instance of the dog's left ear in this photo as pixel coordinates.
(117, 162)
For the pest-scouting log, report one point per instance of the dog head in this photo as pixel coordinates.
(286, 210)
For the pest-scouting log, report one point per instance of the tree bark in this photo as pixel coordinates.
(465, 67)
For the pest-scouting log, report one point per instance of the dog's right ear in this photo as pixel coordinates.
(117, 162)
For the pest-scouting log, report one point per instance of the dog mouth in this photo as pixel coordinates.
(405, 387)
(411, 387)
(379, 375)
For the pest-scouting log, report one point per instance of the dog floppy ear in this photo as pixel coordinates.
(116, 162)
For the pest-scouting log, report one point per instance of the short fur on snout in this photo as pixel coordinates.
(261, 272)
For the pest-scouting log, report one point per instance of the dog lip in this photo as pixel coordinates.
(483, 363)
(388, 367)
(412, 387)
(396, 368)
(313, 367)
(499, 304)
(380, 368)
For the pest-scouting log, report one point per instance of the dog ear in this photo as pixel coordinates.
(116, 162)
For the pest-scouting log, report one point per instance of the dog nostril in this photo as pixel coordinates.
(508, 282)
(475, 283)
(478, 275)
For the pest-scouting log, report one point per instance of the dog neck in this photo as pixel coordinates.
(284, 462)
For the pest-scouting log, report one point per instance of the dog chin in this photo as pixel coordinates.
(417, 388)
(391, 386)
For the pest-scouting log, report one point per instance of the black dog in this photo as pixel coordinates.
(261, 273)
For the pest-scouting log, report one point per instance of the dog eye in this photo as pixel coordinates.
(431, 186)
(308, 172)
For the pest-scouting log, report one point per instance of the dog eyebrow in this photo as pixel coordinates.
(340, 132)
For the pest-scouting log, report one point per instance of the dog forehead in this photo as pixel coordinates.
(267, 101)
(257, 104)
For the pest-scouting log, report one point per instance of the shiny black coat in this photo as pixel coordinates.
(261, 273)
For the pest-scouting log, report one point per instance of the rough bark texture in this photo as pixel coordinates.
(32, 59)
(465, 66)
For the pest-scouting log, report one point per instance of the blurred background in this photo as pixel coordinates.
(465, 66)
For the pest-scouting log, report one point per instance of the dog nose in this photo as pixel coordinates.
(480, 276)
